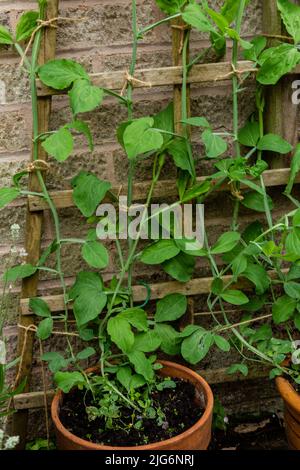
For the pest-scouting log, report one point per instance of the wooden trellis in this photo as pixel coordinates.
(165, 76)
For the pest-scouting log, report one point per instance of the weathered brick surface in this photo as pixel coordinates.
(101, 41)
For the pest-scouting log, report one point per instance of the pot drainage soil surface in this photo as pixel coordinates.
(177, 404)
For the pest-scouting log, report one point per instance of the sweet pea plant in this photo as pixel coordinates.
(118, 333)
(266, 255)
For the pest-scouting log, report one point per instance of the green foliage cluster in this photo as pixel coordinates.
(119, 334)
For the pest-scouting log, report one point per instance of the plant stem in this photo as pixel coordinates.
(133, 405)
(22, 55)
(35, 121)
(132, 162)
(143, 31)
(184, 106)
(198, 57)
(128, 262)
(249, 346)
(235, 104)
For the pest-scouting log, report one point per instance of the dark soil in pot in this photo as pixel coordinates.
(177, 404)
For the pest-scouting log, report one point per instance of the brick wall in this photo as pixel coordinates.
(101, 41)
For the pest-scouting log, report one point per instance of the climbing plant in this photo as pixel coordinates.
(114, 330)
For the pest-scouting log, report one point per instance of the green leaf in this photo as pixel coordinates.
(292, 289)
(87, 334)
(65, 381)
(295, 167)
(158, 252)
(276, 62)
(290, 14)
(262, 334)
(255, 201)
(85, 97)
(120, 333)
(292, 245)
(230, 9)
(196, 347)
(88, 192)
(89, 298)
(283, 309)
(241, 368)
(60, 74)
(294, 273)
(194, 15)
(137, 381)
(59, 145)
(234, 297)
(189, 330)
(164, 120)
(222, 343)
(239, 265)
(259, 43)
(246, 45)
(137, 317)
(296, 219)
(274, 143)
(196, 191)
(39, 307)
(83, 128)
(275, 373)
(226, 243)
(142, 365)
(249, 134)
(170, 6)
(139, 137)
(17, 177)
(170, 308)
(95, 254)
(178, 149)
(170, 340)
(181, 267)
(252, 231)
(5, 36)
(19, 272)
(26, 25)
(45, 328)
(47, 252)
(191, 246)
(7, 195)
(218, 42)
(257, 169)
(218, 19)
(214, 144)
(55, 361)
(255, 304)
(217, 286)
(85, 353)
(147, 342)
(259, 276)
(297, 320)
(124, 376)
(197, 121)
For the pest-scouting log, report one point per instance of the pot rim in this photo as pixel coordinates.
(173, 440)
(288, 393)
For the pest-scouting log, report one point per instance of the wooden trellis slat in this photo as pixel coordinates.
(280, 113)
(33, 234)
(163, 189)
(35, 400)
(197, 286)
(162, 76)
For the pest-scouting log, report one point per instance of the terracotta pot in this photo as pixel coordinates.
(291, 411)
(195, 438)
